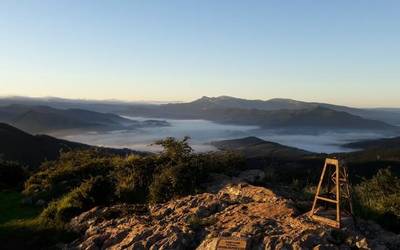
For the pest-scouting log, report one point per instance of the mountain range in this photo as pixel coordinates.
(390, 115)
(43, 119)
(274, 113)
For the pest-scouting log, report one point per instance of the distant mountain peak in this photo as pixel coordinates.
(288, 100)
(218, 98)
(226, 97)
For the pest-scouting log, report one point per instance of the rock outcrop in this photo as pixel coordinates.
(266, 220)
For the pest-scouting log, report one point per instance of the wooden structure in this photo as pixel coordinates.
(333, 189)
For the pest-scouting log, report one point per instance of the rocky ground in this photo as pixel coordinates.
(238, 209)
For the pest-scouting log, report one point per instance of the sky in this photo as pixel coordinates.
(343, 52)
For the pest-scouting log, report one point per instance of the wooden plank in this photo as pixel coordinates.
(330, 161)
(318, 189)
(326, 221)
(326, 199)
(338, 195)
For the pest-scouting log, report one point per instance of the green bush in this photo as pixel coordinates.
(379, 199)
(93, 192)
(79, 180)
(133, 178)
(175, 150)
(182, 172)
(57, 178)
(228, 163)
(175, 181)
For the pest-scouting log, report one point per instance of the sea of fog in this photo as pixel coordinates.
(202, 132)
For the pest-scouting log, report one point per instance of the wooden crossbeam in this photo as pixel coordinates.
(326, 199)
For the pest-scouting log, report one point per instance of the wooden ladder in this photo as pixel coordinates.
(337, 187)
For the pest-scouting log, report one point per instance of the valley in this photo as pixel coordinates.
(203, 132)
(315, 127)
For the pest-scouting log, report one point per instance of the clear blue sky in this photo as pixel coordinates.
(346, 52)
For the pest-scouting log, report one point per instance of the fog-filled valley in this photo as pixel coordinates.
(202, 132)
(315, 127)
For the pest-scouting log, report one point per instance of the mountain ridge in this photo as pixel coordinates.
(44, 119)
(375, 143)
(310, 118)
(389, 115)
(212, 108)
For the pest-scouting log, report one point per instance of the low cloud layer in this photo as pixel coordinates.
(202, 132)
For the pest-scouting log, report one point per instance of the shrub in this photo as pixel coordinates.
(93, 192)
(222, 162)
(174, 181)
(175, 150)
(79, 180)
(185, 177)
(379, 198)
(57, 178)
(270, 175)
(133, 178)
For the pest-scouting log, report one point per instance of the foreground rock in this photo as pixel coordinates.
(237, 210)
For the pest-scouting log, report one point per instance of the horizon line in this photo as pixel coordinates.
(116, 100)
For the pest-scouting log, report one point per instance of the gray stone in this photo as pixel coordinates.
(362, 244)
(40, 203)
(27, 201)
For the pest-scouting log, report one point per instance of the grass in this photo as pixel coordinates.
(11, 209)
(22, 228)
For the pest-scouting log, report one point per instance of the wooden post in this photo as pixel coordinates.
(337, 182)
(318, 188)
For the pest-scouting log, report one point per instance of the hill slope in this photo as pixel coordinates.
(386, 143)
(252, 147)
(32, 150)
(19, 146)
